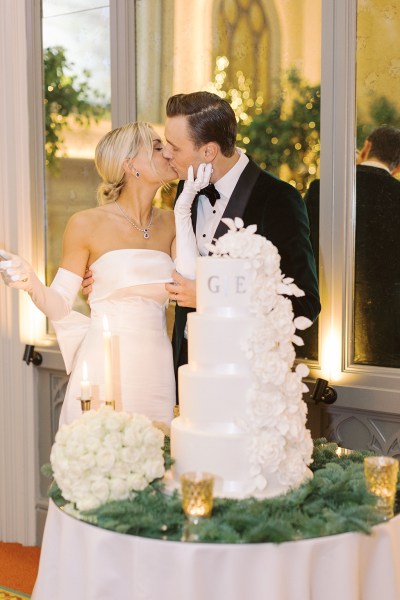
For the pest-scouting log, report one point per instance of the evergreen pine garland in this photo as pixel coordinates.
(334, 501)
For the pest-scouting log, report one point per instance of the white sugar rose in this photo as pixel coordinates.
(266, 447)
(274, 370)
(275, 413)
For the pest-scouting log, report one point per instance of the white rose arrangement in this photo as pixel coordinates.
(106, 455)
(276, 413)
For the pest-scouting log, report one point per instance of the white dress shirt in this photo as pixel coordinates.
(209, 216)
(375, 163)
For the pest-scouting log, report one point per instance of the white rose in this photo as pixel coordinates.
(88, 461)
(88, 502)
(113, 440)
(154, 469)
(153, 436)
(101, 490)
(92, 443)
(105, 460)
(119, 489)
(136, 482)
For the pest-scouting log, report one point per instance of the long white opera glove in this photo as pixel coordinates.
(55, 301)
(186, 243)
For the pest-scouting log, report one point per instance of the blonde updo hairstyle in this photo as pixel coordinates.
(113, 150)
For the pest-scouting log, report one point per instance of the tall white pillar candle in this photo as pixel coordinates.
(85, 383)
(107, 361)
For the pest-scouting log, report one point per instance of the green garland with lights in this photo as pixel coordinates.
(334, 501)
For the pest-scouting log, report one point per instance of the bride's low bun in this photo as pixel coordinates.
(108, 192)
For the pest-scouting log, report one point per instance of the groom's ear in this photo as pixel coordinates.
(210, 151)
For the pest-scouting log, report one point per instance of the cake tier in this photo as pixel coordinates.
(216, 342)
(223, 283)
(215, 399)
(222, 454)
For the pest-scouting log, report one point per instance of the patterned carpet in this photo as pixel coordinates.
(6, 594)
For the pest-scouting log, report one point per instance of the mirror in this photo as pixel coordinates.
(376, 319)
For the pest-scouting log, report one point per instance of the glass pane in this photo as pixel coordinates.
(77, 101)
(376, 335)
(263, 56)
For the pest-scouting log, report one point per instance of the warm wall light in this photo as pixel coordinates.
(323, 392)
(32, 322)
(32, 356)
(331, 357)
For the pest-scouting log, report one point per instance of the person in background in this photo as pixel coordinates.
(377, 247)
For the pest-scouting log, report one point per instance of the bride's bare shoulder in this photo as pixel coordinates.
(90, 216)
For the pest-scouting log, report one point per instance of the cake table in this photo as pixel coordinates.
(85, 562)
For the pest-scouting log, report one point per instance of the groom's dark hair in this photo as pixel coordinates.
(210, 119)
(385, 145)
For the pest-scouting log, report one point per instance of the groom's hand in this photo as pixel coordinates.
(87, 282)
(182, 290)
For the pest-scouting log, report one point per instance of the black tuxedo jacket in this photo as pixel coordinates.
(280, 215)
(376, 334)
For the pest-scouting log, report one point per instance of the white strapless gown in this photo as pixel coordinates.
(129, 288)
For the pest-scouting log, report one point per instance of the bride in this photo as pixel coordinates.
(129, 246)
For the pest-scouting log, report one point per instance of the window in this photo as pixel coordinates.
(77, 103)
(264, 59)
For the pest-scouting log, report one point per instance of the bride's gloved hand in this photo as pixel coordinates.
(55, 301)
(15, 271)
(191, 187)
(186, 244)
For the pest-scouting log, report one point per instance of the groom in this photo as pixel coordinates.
(201, 128)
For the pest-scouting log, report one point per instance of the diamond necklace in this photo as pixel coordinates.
(145, 230)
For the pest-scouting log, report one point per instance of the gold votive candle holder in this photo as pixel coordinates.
(343, 451)
(110, 403)
(197, 494)
(381, 474)
(86, 404)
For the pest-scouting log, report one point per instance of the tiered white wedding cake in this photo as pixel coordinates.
(242, 416)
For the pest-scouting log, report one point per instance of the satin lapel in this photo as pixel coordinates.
(240, 196)
(194, 213)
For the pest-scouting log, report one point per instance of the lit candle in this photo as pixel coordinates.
(85, 383)
(108, 361)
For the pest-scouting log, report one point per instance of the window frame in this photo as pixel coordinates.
(367, 387)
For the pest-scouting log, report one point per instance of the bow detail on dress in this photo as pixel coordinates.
(71, 331)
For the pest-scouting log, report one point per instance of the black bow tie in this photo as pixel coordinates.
(211, 193)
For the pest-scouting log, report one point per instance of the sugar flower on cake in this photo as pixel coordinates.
(276, 414)
(106, 455)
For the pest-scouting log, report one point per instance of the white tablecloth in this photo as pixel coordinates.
(82, 562)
